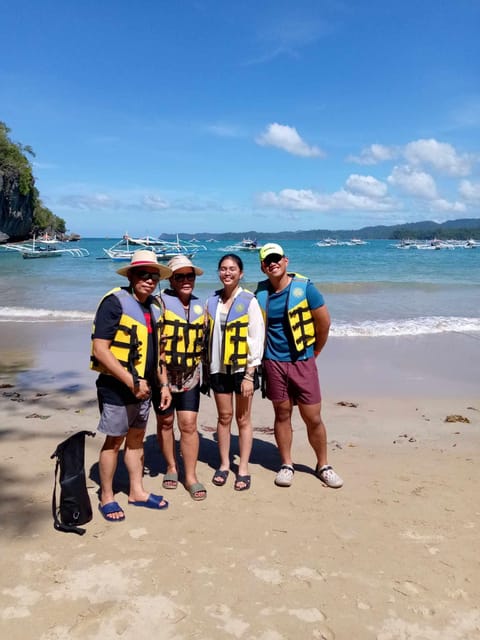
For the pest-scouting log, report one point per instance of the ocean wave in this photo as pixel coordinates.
(23, 314)
(380, 286)
(367, 328)
(407, 327)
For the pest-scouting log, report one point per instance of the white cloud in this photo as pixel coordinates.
(439, 155)
(374, 154)
(287, 36)
(308, 200)
(89, 201)
(421, 185)
(223, 130)
(413, 182)
(444, 205)
(287, 138)
(155, 203)
(366, 185)
(469, 190)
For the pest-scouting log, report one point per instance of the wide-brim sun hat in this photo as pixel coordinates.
(145, 258)
(270, 249)
(182, 262)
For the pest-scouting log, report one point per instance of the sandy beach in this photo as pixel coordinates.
(393, 555)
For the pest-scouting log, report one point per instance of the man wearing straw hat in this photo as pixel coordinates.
(182, 337)
(125, 353)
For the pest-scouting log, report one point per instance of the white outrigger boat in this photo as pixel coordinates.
(435, 244)
(329, 242)
(247, 244)
(163, 249)
(45, 247)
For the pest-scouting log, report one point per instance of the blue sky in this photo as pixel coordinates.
(208, 115)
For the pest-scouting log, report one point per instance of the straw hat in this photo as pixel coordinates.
(180, 262)
(145, 258)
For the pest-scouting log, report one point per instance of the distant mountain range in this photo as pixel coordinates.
(461, 229)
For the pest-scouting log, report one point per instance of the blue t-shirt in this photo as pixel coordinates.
(280, 344)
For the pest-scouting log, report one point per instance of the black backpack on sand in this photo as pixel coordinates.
(75, 507)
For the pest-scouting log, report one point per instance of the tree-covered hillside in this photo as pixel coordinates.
(18, 193)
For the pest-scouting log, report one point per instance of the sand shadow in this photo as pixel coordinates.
(264, 454)
(19, 514)
(121, 482)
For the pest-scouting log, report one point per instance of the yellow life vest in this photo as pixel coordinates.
(300, 317)
(235, 345)
(182, 336)
(130, 342)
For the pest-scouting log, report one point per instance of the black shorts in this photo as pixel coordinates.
(230, 382)
(181, 401)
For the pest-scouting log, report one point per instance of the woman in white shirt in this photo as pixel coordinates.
(236, 334)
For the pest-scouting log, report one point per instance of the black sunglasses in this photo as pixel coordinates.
(273, 257)
(180, 277)
(147, 275)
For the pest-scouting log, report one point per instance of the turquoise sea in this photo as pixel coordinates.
(370, 290)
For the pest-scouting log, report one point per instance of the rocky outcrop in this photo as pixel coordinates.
(16, 210)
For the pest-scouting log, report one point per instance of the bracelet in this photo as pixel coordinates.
(249, 378)
(164, 384)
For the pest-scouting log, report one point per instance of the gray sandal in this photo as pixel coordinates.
(170, 481)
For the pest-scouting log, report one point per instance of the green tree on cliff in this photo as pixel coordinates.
(14, 162)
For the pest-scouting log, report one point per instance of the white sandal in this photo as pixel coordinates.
(284, 477)
(328, 476)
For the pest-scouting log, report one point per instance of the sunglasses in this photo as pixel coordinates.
(147, 275)
(272, 258)
(180, 277)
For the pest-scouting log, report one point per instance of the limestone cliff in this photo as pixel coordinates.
(16, 210)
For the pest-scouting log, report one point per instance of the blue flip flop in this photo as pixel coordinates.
(152, 502)
(108, 509)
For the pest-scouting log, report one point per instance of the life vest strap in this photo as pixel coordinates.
(181, 330)
(94, 360)
(237, 358)
(304, 319)
(124, 327)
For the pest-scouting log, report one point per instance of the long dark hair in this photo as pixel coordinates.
(234, 257)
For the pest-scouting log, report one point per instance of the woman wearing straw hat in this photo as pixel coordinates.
(182, 341)
(125, 353)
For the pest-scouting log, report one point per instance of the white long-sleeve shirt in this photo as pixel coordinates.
(255, 337)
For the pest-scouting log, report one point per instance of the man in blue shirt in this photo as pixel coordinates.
(297, 325)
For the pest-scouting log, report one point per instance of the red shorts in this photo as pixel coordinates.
(297, 381)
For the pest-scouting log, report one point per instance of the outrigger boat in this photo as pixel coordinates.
(247, 244)
(163, 249)
(45, 247)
